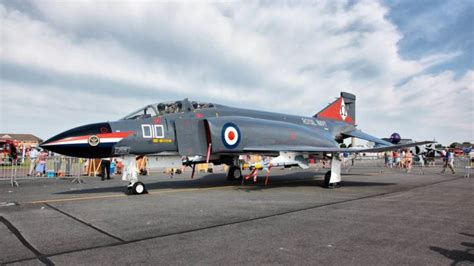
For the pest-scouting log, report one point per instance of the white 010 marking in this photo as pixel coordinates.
(153, 131)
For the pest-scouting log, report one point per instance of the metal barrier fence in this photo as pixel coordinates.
(51, 167)
(459, 162)
(462, 164)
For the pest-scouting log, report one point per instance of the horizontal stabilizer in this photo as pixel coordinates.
(361, 135)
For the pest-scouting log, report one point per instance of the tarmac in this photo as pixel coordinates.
(378, 217)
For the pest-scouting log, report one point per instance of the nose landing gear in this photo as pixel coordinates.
(137, 188)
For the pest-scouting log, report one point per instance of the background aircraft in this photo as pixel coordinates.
(191, 132)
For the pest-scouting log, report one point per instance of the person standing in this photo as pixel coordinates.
(105, 168)
(390, 159)
(41, 167)
(119, 166)
(396, 158)
(33, 154)
(471, 157)
(408, 160)
(402, 158)
(421, 157)
(448, 161)
(112, 167)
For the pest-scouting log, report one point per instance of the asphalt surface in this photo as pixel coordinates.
(375, 218)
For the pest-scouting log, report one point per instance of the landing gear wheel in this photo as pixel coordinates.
(327, 180)
(137, 188)
(234, 173)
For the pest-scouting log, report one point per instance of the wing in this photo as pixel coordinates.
(313, 149)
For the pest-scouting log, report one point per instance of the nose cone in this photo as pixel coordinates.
(89, 141)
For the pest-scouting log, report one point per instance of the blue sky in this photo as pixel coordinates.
(410, 63)
(434, 26)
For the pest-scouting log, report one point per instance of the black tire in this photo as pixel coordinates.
(139, 188)
(327, 179)
(234, 173)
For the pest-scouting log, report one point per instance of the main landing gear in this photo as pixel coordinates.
(332, 179)
(234, 173)
(327, 181)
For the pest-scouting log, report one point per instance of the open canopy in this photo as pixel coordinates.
(167, 108)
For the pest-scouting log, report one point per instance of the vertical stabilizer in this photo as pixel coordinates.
(342, 109)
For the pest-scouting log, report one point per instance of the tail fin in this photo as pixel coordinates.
(342, 109)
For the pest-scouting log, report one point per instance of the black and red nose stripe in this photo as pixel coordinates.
(90, 129)
(89, 141)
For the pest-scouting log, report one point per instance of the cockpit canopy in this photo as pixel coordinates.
(167, 108)
(142, 113)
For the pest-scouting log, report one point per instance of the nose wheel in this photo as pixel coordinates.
(137, 188)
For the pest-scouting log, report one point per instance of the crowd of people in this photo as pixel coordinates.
(37, 158)
(401, 159)
(405, 159)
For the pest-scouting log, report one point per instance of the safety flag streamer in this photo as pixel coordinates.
(208, 152)
(253, 174)
(267, 178)
(267, 166)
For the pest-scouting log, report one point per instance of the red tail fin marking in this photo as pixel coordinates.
(337, 111)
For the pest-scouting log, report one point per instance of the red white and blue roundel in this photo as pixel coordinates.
(230, 135)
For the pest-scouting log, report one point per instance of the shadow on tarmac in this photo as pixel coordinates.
(219, 180)
(308, 183)
(208, 181)
(458, 257)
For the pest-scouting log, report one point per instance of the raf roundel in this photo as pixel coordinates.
(230, 135)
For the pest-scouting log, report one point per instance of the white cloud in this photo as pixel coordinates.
(447, 100)
(436, 59)
(429, 106)
(286, 57)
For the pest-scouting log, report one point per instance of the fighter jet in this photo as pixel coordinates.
(188, 132)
